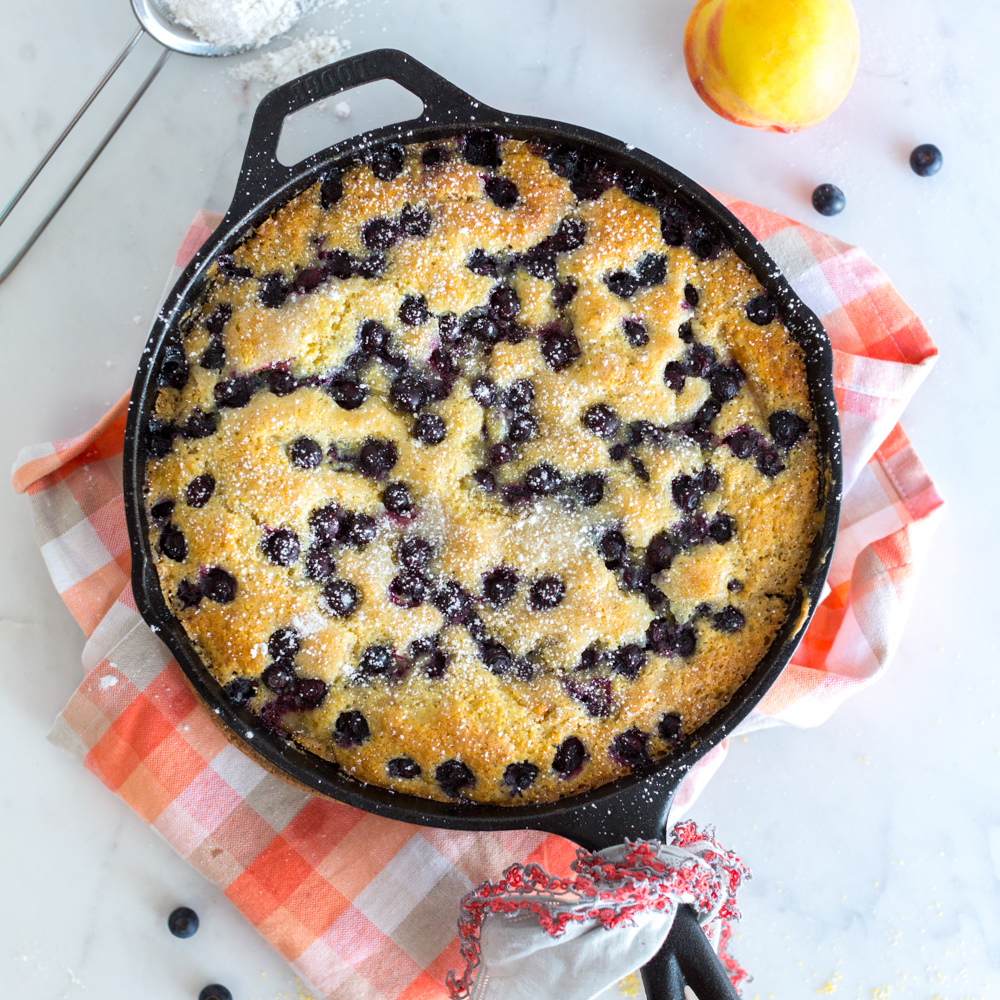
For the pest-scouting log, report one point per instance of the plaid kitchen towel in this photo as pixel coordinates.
(365, 908)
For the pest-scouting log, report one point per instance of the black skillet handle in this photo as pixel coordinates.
(261, 173)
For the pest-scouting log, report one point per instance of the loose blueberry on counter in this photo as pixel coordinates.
(407, 589)
(351, 729)
(669, 728)
(502, 191)
(659, 553)
(686, 332)
(241, 689)
(543, 479)
(183, 922)
(635, 333)
(273, 290)
(547, 593)
(521, 427)
(519, 777)
(305, 453)
(481, 263)
(590, 488)
(452, 601)
(722, 528)
(559, 348)
(279, 676)
(786, 428)
(340, 598)
(403, 767)
(387, 161)
(651, 270)
(570, 757)
(376, 661)
(377, 458)
(160, 512)
(499, 586)
(828, 199)
(414, 311)
(612, 548)
(453, 776)
(215, 991)
(761, 310)
(628, 660)
(926, 160)
(284, 643)
(189, 594)
(629, 749)
(601, 420)
(414, 553)
(219, 586)
(624, 284)
(396, 500)
(414, 221)
(729, 619)
(281, 546)
(233, 393)
(429, 428)
(172, 543)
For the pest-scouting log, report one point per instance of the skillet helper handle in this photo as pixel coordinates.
(262, 173)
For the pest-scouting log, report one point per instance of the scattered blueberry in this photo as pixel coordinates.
(340, 598)
(332, 188)
(497, 658)
(481, 263)
(547, 593)
(376, 661)
(172, 543)
(305, 453)
(387, 161)
(651, 270)
(926, 160)
(686, 332)
(160, 512)
(215, 991)
(279, 676)
(219, 586)
(659, 553)
(725, 382)
(706, 241)
(635, 333)
(213, 358)
(414, 553)
(828, 199)
(628, 660)
(281, 546)
(590, 488)
(379, 234)
(745, 442)
(319, 564)
(198, 425)
(722, 528)
(325, 523)
(675, 374)
(347, 394)
(612, 548)
(396, 500)
(241, 689)
(559, 348)
(183, 922)
(351, 729)
(452, 601)
(521, 427)
(273, 290)
(769, 462)
(543, 479)
(414, 221)
(786, 428)
(729, 619)
(310, 692)
(483, 391)
(502, 191)
(408, 589)
(188, 594)
(629, 749)
(453, 776)
(376, 458)
(414, 311)
(624, 284)
(519, 777)
(563, 292)
(761, 310)
(601, 420)
(669, 728)
(570, 757)
(279, 381)
(233, 393)
(691, 295)
(499, 586)
(429, 428)
(284, 643)
(403, 767)
(174, 369)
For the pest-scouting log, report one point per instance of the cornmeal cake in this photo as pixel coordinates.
(484, 469)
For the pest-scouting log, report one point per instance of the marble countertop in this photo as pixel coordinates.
(874, 839)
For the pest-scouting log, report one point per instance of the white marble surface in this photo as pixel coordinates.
(875, 839)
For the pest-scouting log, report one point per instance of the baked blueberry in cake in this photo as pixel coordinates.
(483, 468)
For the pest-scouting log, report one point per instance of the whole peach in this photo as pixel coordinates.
(777, 65)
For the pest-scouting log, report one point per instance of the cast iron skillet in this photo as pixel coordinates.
(635, 806)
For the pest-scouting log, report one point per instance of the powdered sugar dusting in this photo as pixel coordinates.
(302, 56)
(240, 24)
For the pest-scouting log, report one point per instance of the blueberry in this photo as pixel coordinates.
(351, 729)
(497, 658)
(188, 594)
(481, 148)
(284, 643)
(651, 270)
(629, 749)
(436, 665)
(687, 493)
(434, 155)
(379, 234)
(482, 328)
(357, 530)
(231, 269)
(665, 638)
(319, 564)
(500, 453)
(215, 991)
(241, 690)
(372, 338)
(483, 391)
(706, 240)
(570, 757)
(429, 428)
(639, 468)
(273, 290)
(309, 280)
(761, 310)
(612, 548)
(305, 453)
(213, 358)
(281, 546)
(734, 586)
(183, 922)
(635, 333)
(729, 620)
(519, 777)
(336, 264)
(325, 523)
(659, 553)
(403, 767)
(371, 267)
(233, 393)
(769, 462)
(332, 188)
(676, 220)
(376, 458)
(279, 676)
(414, 311)
(219, 586)
(414, 553)
(543, 479)
(160, 512)
(675, 375)
(669, 728)
(601, 420)
(453, 776)
(279, 381)
(592, 177)
(590, 488)
(692, 530)
(387, 161)
(722, 528)
(521, 427)
(499, 586)
(408, 589)
(786, 428)
(376, 661)
(570, 236)
(218, 318)
(501, 191)
(396, 500)
(414, 221)
(560, 349)
(310, 692)
(485, 480)
(519, 394)
(347, 394)
(481, 263)
(685, 332)
(547, 593)
(725, 382)
(828, 199)
(172, 543)
(926, 160)
(624, 284)
(745, 442)
(691, 295)
(174, 367)
(628, 660)
(340, 598)
(504, 304)
(563, 292)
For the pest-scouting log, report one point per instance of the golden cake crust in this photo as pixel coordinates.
(707, 465)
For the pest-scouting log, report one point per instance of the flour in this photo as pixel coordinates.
(240, 24)
(308, 53)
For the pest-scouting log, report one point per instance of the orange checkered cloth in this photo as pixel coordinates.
(367, 907)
